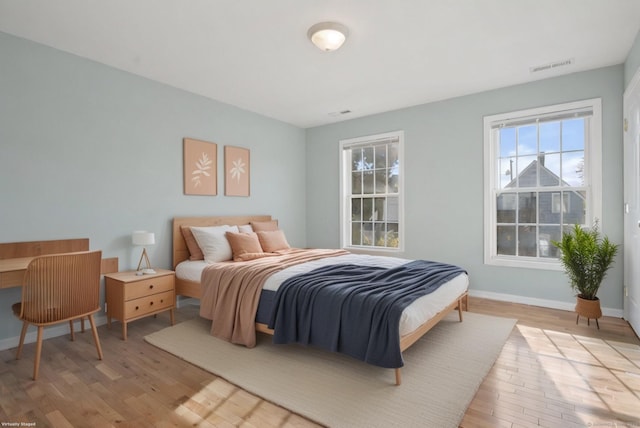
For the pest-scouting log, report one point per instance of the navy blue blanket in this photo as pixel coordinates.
(354, 309)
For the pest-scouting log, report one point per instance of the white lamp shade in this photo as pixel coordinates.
(142, 238)
(328, 36)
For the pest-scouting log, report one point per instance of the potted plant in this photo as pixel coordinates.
(586, 257)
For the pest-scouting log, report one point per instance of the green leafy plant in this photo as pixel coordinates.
(586, 257)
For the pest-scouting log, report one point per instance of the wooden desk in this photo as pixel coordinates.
(16, 256)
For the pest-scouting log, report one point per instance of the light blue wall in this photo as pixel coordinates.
(632, 63)
(90, 151)
(444, 179)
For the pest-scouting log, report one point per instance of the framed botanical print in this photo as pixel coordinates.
(200, 167)
(236, 171)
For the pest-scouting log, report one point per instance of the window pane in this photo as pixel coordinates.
(527, 207)
(506, 173)
(356, 233)
(380, 235)
(356, 183)
(367, 234)
(367, 209)
(381, 181)
(393, 240)
(549, 169)
(356, 160)
(367, 158)
(573, 169)
(393, 211)
(506, 240)
(506, 209)
(356, 209)
(381, 156)
(378, 212)
(507, 142)
(527, 241)
(527, 171)
(573, 134)
(367, 177)
(549, 207)
(549, 137)
(574, 204)
(548, 234)
(527, 140)
(393, 180)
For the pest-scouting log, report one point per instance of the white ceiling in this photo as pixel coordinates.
(254, 54)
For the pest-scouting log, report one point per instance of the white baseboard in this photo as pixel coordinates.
(553, 304)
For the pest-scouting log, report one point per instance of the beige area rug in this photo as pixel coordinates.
(442, 373)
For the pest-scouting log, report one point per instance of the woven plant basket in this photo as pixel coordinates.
(589, 309)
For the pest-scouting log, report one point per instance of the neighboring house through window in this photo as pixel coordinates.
(542, 174)
(371, 192)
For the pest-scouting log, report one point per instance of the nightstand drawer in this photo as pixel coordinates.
(146, 305)
(145, 287)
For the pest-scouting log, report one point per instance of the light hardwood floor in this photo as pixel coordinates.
(551, 373)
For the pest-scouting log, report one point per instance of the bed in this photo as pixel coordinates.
(418, 318)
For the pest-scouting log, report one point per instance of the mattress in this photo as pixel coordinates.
(414, 315)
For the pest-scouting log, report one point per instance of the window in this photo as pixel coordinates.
(542, 174)
(371, 192)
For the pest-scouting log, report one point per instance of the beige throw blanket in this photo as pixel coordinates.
(231, 291)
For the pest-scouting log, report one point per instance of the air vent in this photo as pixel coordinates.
(339, 113)
(551, 65)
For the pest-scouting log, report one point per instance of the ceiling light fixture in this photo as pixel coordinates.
(328, 36)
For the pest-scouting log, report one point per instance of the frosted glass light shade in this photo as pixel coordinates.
(328, 36)
(142, 238)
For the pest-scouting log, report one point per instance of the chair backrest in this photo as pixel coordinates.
(61, 287)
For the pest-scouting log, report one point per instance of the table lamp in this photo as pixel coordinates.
(143, 238)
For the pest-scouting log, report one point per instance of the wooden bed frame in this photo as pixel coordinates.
(192, 288)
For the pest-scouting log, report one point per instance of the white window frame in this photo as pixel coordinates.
(592, 171)
(345, 190)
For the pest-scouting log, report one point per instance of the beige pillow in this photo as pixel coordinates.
(273, 240)
(264, 226)
(243, 243)
(213, 242)
(245, 228)
(195, 253)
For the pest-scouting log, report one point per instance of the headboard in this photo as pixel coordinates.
(180, 251)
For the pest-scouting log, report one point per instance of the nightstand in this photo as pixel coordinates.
(130, 296)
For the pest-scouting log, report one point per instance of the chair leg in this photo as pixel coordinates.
(82, 324)
(36, 364)
(95, 336)
(73, 336)
(22, 335)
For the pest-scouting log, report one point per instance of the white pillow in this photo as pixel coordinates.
(245, 228)
(214, 243)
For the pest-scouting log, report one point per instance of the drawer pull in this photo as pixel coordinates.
(137, 307)
(150, 286)
(151, 303)
(161, 300)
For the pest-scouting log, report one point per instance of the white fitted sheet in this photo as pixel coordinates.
(414, 315)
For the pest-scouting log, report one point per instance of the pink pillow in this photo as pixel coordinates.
(243, 243)
(272, 241)
(195, 253)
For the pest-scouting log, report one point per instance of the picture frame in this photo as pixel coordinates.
(200, 167)
(237, 171)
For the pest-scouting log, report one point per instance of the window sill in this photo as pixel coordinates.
(551, 264)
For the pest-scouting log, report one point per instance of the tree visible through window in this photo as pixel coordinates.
(371, 191)
(543, 175)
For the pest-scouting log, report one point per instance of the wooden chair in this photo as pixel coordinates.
(59, 288)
